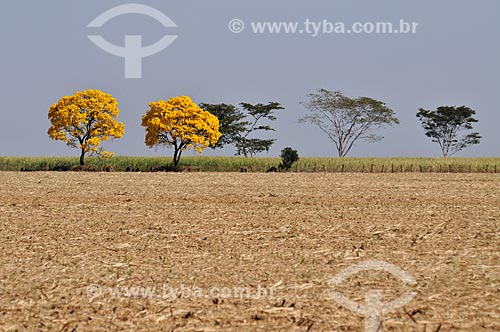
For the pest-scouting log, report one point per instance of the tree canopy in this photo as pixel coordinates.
(237, 127)
(231, 122)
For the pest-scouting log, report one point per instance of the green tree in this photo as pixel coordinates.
(238, 127)
(288, 157)
(444, 125)
(259, 112)
(231, 122)
(345, 120)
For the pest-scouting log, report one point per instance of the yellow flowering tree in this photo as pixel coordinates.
(181, 124)
(85, 119)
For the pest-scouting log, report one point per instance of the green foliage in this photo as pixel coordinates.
(231, 122)
(260, 164)
(250, 146)
(237, 127)
(444, 125)
(288, 157)
(345, 120)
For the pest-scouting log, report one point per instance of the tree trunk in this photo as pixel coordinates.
(82, 158)
(177, 157)
(340, 151)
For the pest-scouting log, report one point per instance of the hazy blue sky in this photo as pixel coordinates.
(453, 59)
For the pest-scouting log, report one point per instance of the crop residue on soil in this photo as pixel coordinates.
(69, 240)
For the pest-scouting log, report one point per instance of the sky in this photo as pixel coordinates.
(452, 59)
